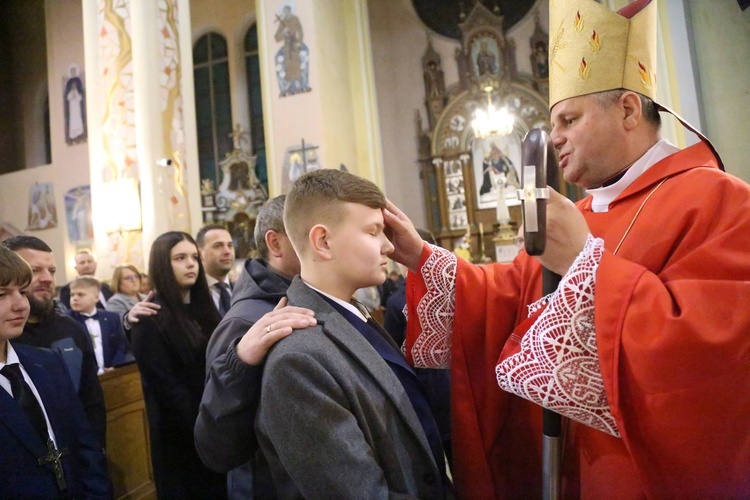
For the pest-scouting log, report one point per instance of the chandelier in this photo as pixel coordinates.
(492, 121)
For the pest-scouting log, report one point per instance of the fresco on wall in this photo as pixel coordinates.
(42, 212)
(78, 214)
(74, 97)
(292, 59)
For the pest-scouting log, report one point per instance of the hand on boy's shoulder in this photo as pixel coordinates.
(271, 328)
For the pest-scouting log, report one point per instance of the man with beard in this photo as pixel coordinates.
(59, 333)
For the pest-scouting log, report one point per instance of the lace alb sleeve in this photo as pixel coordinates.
(557, 366)
(435, 310)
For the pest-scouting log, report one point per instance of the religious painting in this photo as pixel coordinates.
(485, 57)
(78, 214)
(298, 160)
(42, 211)
(293, 58)
(74, 98)
(497, 169)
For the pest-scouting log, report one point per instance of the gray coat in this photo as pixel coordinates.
(334, 421)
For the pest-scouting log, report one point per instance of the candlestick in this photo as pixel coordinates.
(502, 214)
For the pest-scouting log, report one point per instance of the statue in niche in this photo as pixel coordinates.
(434, 80)
(75, 107)
(292, 58)
(540, 60)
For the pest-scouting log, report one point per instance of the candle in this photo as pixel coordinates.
(502, 213)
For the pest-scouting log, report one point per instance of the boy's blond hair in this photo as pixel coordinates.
(85, 282)
(317, 198)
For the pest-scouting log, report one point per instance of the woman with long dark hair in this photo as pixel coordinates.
(170, 349)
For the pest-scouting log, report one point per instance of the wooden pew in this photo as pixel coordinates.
(128, 452)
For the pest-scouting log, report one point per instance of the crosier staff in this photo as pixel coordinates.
(539, 171)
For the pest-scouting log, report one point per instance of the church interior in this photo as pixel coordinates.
(123, 119)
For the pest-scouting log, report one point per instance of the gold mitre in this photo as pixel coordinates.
(593, 49)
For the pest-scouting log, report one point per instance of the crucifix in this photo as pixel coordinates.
(304, 149)
(239, 136)
(53, 457)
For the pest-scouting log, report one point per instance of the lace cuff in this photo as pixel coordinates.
(555, 365)
(435, 310)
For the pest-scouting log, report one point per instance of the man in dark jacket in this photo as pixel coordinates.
(235, 354)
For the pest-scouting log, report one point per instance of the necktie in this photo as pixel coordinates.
(23, 394)
(225, 301)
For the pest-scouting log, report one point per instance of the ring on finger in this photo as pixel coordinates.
(268, 329)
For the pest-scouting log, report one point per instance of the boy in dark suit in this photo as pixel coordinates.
(48, 448)
(105, 329)
(341, 413)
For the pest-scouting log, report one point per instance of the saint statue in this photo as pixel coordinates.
(75, 108)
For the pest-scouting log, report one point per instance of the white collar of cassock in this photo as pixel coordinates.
(348, 305)
(603, 196)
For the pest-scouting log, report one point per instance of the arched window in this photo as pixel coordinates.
(257, 136)
(213, 108)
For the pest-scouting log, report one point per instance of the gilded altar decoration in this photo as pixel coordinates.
(470, 153)
(239, 196)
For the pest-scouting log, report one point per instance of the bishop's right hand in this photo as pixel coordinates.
(403, 235)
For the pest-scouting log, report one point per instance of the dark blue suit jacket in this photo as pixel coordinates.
(84, 465)
(114, 343)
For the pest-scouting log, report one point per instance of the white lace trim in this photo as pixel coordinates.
(435, 310)
(557, 366)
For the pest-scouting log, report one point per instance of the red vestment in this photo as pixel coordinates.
(672, 329)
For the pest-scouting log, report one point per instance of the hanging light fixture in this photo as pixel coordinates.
(492, 121)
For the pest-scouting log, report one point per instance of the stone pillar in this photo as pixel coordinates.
(330, 103)
(141, 111)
